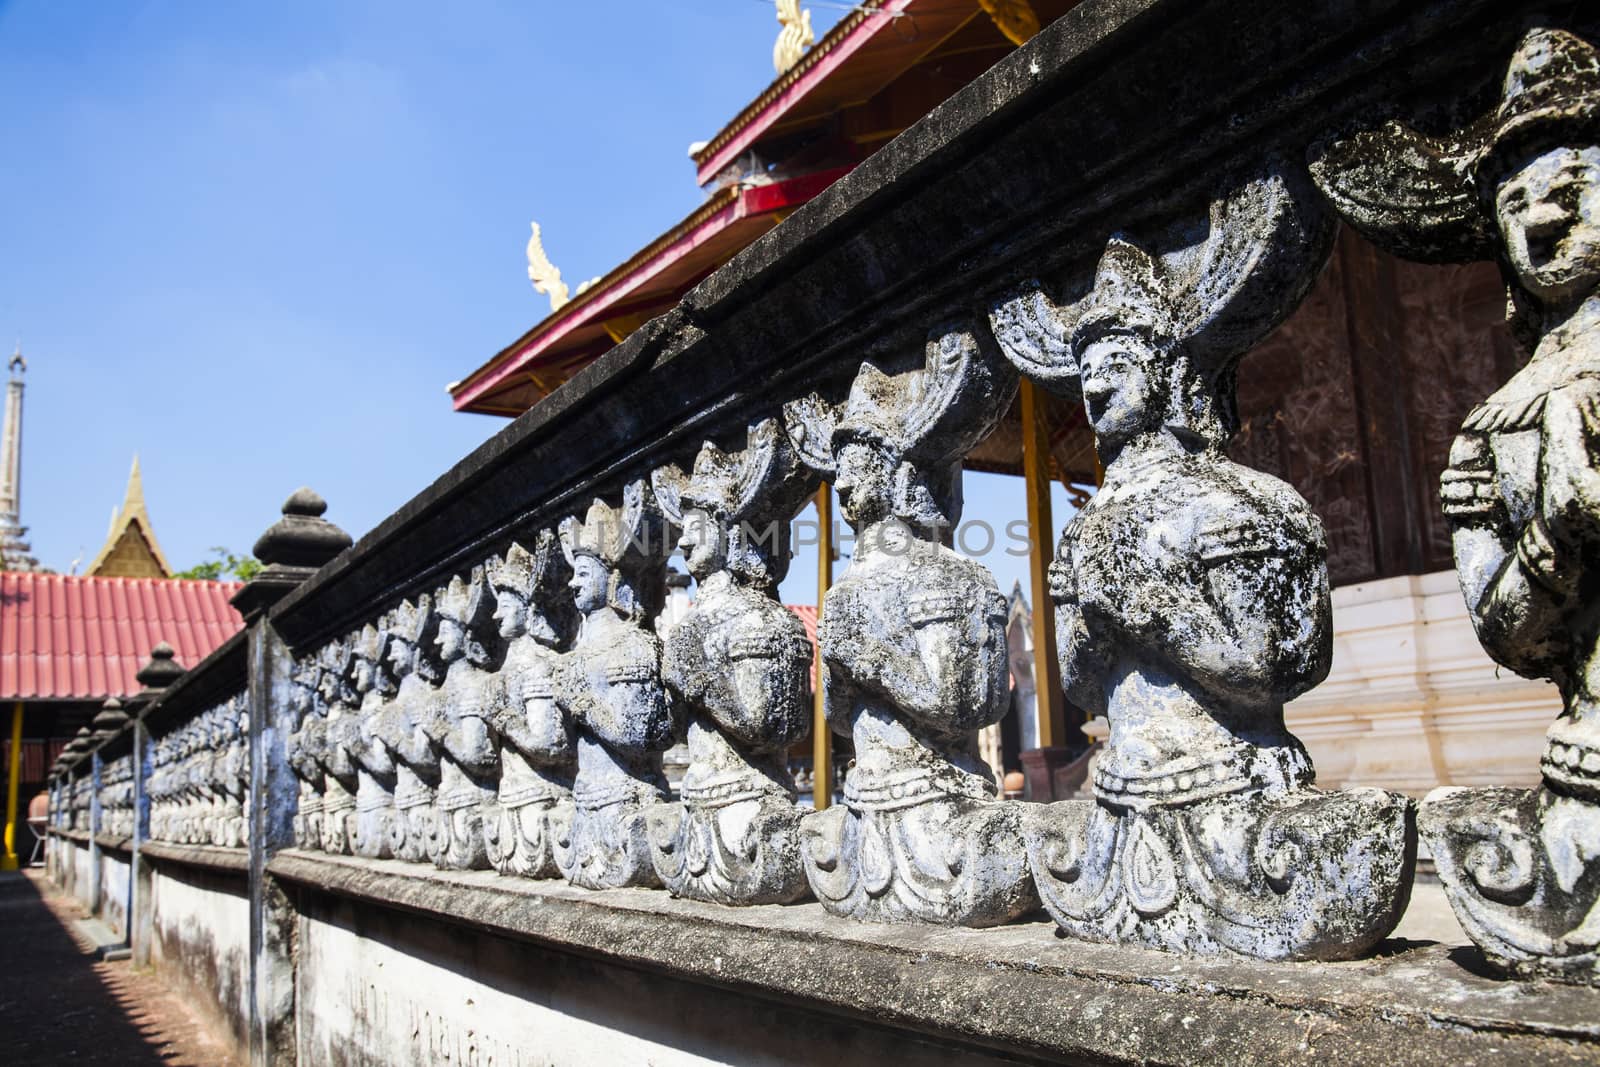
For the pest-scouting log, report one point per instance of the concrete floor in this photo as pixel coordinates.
(59, 1004)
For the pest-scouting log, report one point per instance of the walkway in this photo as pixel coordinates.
(59, 1005)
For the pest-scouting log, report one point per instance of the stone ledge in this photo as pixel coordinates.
(210, 857)
(114, 844)
(80, 836)
(1017, 989)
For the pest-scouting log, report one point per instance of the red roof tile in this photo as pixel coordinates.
(73, 638)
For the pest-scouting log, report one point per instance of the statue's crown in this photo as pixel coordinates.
(1551, 94)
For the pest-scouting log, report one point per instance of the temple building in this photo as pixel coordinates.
(131, 549)
(1375, 370)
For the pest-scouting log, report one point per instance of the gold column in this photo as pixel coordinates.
(821, 738)
(8, 861)
(1041, 530)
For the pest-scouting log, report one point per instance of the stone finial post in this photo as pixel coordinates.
(293, 549)
(159, 672)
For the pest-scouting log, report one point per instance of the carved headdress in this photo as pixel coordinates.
(1199, 304)
(752, 493)
(925, 420)
(539, 579)
(413, 627)
(468, 601)
(632, 542)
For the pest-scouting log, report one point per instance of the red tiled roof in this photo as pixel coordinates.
(64, 637)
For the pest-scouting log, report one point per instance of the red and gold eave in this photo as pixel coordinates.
(646, 285)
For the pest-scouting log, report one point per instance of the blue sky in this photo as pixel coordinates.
(253, 242)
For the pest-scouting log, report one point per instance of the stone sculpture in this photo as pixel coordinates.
(1522, 491)
(1192, 602)
(913, 638)
(231, 776)
(468, 762)
(737, 663)
(369, 680)
(340, 780)
(537, 746)
(609, 687)
(303, 751)
(413, 646)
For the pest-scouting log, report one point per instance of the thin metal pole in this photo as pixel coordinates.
(1048, 696)
(8, 862)
(821, 738)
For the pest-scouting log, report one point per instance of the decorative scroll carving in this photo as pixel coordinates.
(1522, 491)
(609, 686)
(738, 663)
(468, 762)
(537, 744)
(1192, 602)
(913, 637)
(404, 724)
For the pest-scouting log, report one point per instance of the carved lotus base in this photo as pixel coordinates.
(373, 828)
(457, 843)
(1517, 866)
(604, 847)
(519, 841)
(1304, 876)
(338, 820)
(951, 861)
(746, 852)
(412, 829)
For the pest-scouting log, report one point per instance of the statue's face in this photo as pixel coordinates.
(1117, 394)
(509, 612)
(452, 639)
(1549, 215)
(363, 675)
(400, 656)
(864, 481)
(701, 542)
(588, 584)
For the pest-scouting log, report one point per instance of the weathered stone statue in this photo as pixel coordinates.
(1192, 602)
(232, 776)
(538, 748)
(340, 780)
(303, 750)
(468, 762)
(368, 676)
(403, 726)
(1522, 491)
(609, 686)
(913, 638)
(737, 662)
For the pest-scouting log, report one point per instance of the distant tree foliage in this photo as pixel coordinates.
(224, 566)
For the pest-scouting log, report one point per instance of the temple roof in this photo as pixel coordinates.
(78, 638)
(131, 549)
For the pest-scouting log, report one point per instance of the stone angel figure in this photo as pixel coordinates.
(537, 743)
(737, 662)
(913, 641)
(468, 761)
(231, 828)
(340, 781)
(1522, 491)
(303, 749)
(610, 688)
(403, 725)
(1192, 602)
(368, 675)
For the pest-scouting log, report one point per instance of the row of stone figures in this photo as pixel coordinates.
(79, 803)
(200, 779)
(116, 798)
(516, 717)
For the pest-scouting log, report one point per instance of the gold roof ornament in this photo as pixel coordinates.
(131, 549)
(1015, 18)
(794, 38)
(543, 273)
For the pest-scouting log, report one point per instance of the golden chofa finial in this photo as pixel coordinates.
(1015, 18)
(543, 273)
(794, 38)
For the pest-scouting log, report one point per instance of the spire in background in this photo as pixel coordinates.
(131, 549)
(15, 552)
